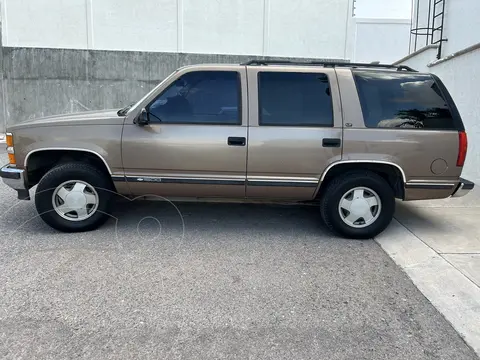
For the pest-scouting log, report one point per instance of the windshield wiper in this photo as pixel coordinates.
(123, 111)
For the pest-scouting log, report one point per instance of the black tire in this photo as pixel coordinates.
(74, 171)
(334, 192)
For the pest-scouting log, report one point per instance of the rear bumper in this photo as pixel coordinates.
(463, 188)
(15, 178)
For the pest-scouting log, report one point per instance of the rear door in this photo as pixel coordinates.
(295, 130)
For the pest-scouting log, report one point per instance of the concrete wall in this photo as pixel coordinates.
(63, 56)
(39, 82)
(384, 40)
(461, 75)
(301, 28)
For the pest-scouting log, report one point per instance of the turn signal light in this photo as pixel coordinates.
(9, 139)
(11, 159)
(10, 150)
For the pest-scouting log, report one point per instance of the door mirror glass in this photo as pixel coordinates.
(143, 119)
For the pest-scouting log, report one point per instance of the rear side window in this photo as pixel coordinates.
(294, 99)
(399, 100)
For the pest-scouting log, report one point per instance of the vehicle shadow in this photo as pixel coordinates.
(180, 216)
(416, 218)
(220, 217)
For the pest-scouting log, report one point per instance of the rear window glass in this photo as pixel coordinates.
(396, 100)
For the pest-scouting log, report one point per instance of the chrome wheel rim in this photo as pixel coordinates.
(360, 207)
(75, 200)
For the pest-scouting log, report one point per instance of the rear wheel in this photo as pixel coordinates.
(74, 197)
(358, 205)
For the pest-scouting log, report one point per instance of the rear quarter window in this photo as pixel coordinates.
(404, 100)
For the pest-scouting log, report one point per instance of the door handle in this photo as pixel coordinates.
(236, 141)
(331, 142)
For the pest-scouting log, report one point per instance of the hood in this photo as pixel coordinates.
(101, 117)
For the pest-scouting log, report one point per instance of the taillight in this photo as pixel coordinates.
(462, 148)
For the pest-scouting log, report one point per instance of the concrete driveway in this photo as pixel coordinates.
(437, 243)
(219, 281)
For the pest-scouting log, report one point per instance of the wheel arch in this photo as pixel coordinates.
(390, 171)
(27, 157)
(39, 161)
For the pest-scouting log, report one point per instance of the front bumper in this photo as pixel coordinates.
(463, 188)
(15, 178)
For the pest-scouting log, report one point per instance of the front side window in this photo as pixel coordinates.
(398, 100)
(200, 97)
(294, 99)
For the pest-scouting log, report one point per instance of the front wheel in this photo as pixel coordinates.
(74, 197)
(358, 205)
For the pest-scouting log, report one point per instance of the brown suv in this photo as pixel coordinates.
(350, 137)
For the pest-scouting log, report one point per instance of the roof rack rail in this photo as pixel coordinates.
(329, 64)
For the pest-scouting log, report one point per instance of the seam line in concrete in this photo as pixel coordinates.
(439, 254)
(456, 268)
(89, 24)
(266, 25)
(3, 14)
(179, 26)
(459, 253)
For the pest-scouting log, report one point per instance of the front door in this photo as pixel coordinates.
(195, 142)
(295, 130)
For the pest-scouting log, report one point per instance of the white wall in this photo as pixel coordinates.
(384, 9)
(420, 59)
(300, 28)
(462, 25)
(117, 25)
(384, 40)
(33, 23)
(461, 76)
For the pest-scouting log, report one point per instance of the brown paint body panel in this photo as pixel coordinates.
(184, 152)
(100, 139)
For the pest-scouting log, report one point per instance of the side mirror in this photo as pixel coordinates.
(143, 119)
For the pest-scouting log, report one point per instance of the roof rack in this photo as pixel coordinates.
(329, 64)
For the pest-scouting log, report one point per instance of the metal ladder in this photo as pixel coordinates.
(438, 4)
(433, 32)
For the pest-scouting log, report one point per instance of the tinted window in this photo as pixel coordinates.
(294, 99)
(396, 100)
(202, 97)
